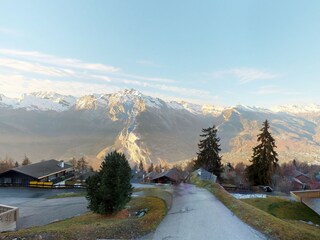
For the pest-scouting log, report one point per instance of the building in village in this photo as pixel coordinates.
(300, 181)
(46, 171)
(204, 175)
(170, 176)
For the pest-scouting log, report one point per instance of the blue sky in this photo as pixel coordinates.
(260, 53)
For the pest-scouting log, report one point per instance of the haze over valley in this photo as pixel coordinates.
(45, 125)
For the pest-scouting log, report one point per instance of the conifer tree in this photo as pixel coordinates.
(110, 189)
(26, 161)
(208, 155)
(264, 158)
(141, 167)
(151, 168)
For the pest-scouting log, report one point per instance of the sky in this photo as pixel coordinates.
(261, 53)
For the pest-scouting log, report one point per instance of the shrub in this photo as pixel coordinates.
(110, 190)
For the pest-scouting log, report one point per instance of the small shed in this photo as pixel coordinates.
(204, 175)
(170, 176)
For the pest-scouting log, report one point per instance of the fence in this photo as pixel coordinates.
(300, 195)
(8, 218)
(310, 198)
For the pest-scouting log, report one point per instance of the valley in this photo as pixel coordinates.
(47, 125)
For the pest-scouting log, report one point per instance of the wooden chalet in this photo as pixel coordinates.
(46, 171)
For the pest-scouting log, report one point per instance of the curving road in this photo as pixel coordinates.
(197, 214)
(36, 210)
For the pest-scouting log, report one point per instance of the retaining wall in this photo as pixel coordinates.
(8, 218)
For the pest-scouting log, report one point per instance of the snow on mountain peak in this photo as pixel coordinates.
(251, 108)
(196, 108)
(298, 108)
(44, 101)
(123, 103)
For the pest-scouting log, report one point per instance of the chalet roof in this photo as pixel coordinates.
(42, 169)
(173, 174)
(298, 173)
(151, 175)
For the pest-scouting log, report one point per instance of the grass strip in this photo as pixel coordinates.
(123, 225)
(284, 209)
(67, 195)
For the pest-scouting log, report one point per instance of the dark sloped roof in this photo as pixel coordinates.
(151, 175)
(297, 173)
(41, 169)
(171, 173)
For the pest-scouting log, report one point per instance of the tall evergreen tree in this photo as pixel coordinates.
(141, 167)
(110, 190)
(208, 155)
(264, 158)
(150, 168)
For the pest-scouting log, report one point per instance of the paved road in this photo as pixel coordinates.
(197, 214)
(36, 210)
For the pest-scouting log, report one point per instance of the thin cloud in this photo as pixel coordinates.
(35, 68)
(248, 75)
(63, 73)
(270, 90)
(58, 61)
(150, 79)
(245, 75)
(15, 85)
(150, 63)
(37, 60)
(8, 31)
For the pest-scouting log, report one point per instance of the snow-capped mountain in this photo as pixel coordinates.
(122, 101)
(43, 101)
(296, 109)
(49, 125)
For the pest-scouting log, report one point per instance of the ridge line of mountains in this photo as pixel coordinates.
(45, 125)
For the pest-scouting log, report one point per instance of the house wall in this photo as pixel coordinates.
(164, 180)
(58, 177)
(303, 179)
(17, 178)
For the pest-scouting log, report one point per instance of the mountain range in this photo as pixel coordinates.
(45, 125)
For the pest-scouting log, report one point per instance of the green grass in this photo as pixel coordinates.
(94, 226)
(264, 222)
(67, 195)
(284, 209)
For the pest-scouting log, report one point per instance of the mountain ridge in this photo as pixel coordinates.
(145, 128)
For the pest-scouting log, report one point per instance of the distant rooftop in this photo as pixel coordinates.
(41, 169)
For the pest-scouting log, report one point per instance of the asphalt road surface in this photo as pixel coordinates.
(36, 210)
(197, 214)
